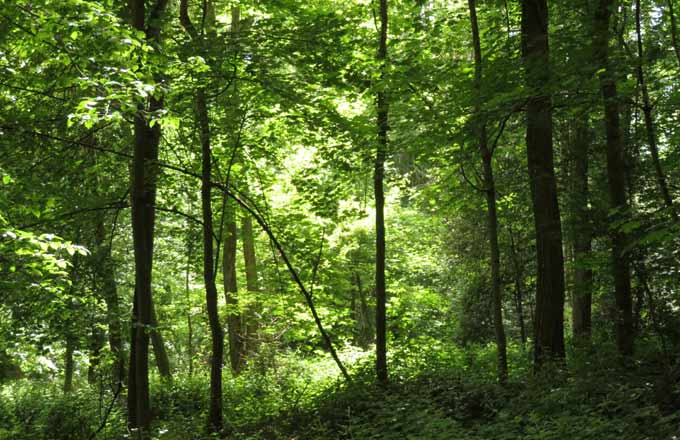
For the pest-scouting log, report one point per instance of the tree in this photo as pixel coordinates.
(378, 176)
(144, 171)
(548, 318)
(486, 153)
(616, 169)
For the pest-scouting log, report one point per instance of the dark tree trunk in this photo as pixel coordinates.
(492, 214)
(674, 30)
(68, 363)
(215, 412)
(549, 314)
(616, 170)
(381, 152)
(215, 417)
(649, 120)
(144, 177)
(580, 232)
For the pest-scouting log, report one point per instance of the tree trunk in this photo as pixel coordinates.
(615, 176)
(68, 364)
(215, 412)
(519, 297)
(252, 313)
(381, 152)
(159, 351)
(580, 232)
(674, 30)
(215, 419)
(109, 292)
(492, 214)
(549, 313)
(649, 120)
(361, 313)
(144, 177)
(96, 344)
(231, 291)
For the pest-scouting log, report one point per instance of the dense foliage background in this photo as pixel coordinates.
(191, 175)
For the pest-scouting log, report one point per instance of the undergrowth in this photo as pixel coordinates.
(449, 393)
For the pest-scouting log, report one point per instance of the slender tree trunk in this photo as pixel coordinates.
(132, 377)
(580, 233)
(231, 292)
(361, 313)
(69, 364)
(190, 326)
(109, 292)
(381, 152)
(674, 30)
(215, 418)
(649, 120)
(159, 351)
(97, 342)
(253, 310)
(616, 177)
(215, 412)
(519, 297)
(492, 213)
(549, 314)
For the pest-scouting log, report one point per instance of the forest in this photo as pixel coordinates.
(333, 219)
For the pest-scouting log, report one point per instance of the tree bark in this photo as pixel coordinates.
(379, 172)
(615, 176)
(492, 213)
(580, 232)
(649, 120)
(144, 177)
(549, 313)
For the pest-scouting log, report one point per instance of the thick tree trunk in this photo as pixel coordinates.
(492, 213)
(379, 172)
(252, 313)
(580, 232)
(616, 177)
(549, 313)
(649, 120)
(144, 176)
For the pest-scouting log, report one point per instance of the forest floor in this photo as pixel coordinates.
(437, 398)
